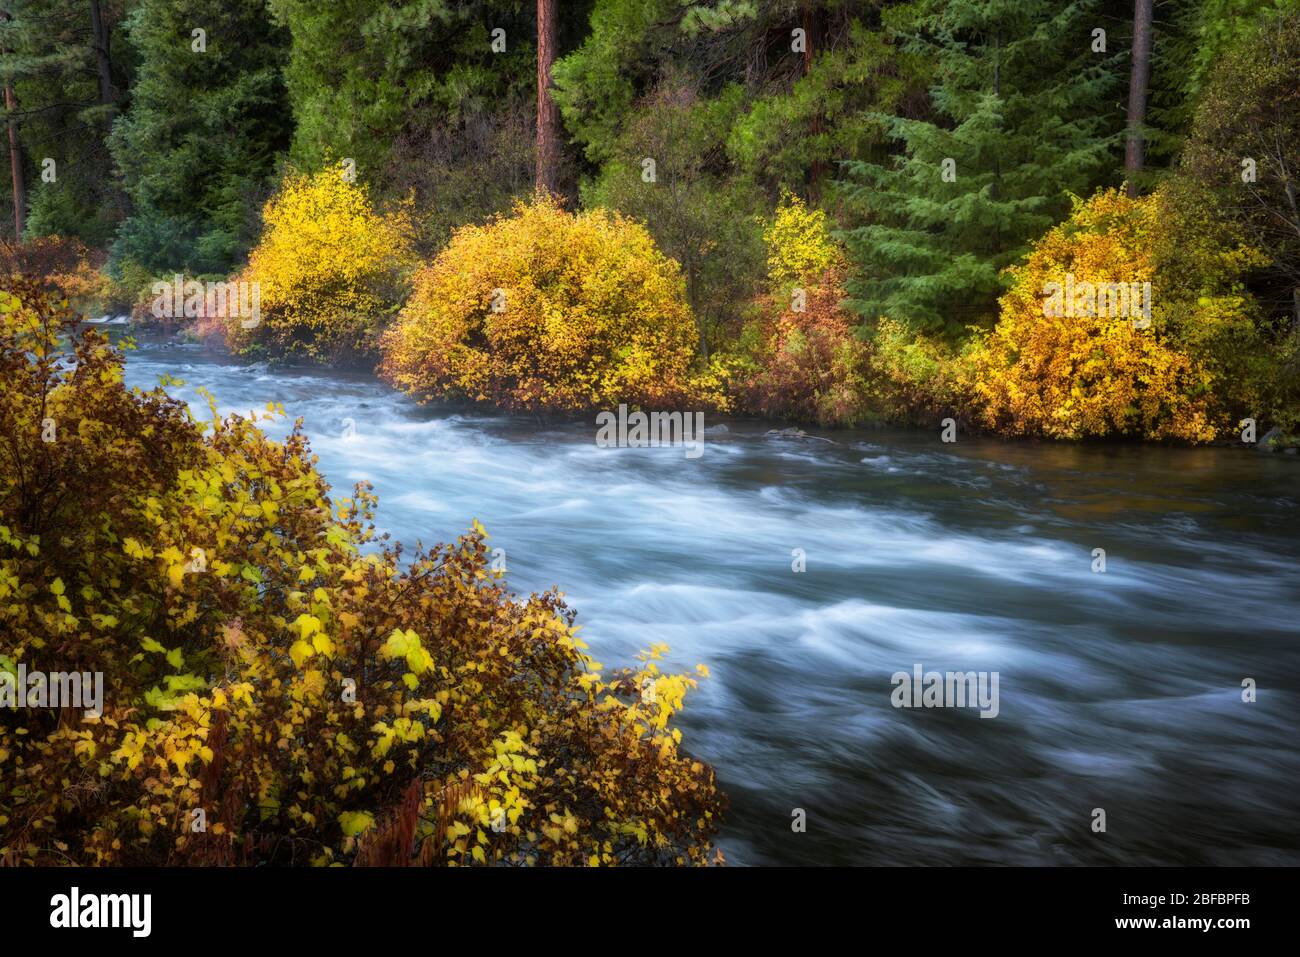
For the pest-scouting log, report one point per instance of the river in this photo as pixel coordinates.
(1118, 690)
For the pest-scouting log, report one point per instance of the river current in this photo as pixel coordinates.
(1118, 690)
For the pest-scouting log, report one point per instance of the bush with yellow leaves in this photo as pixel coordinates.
(1066, 363)
(279, 686)
(330, 270)
(799, 246)
(549, 310)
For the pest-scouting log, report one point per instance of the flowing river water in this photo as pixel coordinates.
(1118, 690)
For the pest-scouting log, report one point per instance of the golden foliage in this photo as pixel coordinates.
(799, 245)
(1072, 376)
(330, 268)
(546, 309)
(319, 698)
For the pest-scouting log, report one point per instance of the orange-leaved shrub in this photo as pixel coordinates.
(804, 360)
(548, 310)
(810, 364)
(330, 270)
(279, 686)
(65, 266)
(1066, 362)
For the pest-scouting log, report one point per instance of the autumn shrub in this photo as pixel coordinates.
(547, 310)
(803, 360)
(67, 268)
(330, 268)
(281, 687)
(1075, 369)
(809, 363)
(914, 377)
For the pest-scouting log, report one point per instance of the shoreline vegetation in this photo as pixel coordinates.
(1272, 441)
(281, 685)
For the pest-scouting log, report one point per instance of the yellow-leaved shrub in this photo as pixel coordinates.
(1075, 375)
(330, 269)
(799, 245)
(278, 686)
(548, 310)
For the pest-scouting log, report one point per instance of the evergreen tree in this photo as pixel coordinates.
(208, 120)
(63, 64)
(1020, 116)
(361, 72)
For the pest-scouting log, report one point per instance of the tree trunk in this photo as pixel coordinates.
(15, 152)
(1137, 92)
(99, 37)
(548, 114)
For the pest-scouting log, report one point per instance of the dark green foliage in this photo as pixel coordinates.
(360, 73)
(1020, 104)
(63, 116)
(699, 216)
(201, 140)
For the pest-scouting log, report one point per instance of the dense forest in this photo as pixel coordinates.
(857, 204)
(1064, 219)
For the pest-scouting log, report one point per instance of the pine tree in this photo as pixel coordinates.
(548, 114)
(208, 121)
(61, 62)
(1019, 118)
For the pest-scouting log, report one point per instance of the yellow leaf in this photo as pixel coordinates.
(300, 652)
(356, 822)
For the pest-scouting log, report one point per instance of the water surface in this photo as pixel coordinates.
(1118, 690)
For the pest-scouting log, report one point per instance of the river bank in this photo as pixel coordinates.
(167, 335)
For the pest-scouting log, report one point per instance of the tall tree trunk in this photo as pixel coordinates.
(16, 163)
(15, 151)
(1137, 92)
(99, 37)
(548, 114)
